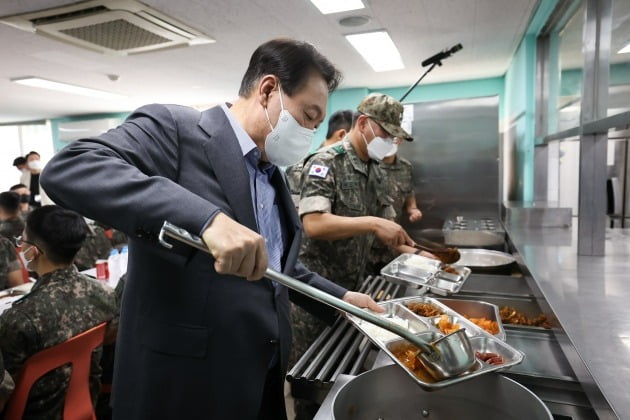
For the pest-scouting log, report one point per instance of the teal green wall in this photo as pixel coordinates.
(619, 74)
(554, 82)
(519, 116)
(519, 111)
(571, 82)
(54, 125)
(454, 90)
(350, 98)
(339, 99)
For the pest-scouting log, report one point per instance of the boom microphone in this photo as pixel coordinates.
(437, 58)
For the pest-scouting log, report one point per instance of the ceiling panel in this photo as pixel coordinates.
(489, 30)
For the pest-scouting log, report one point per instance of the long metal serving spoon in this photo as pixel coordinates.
(195, 241)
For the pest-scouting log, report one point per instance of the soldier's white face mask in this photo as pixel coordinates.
(393, 151)
(288, 142)
(379, 147)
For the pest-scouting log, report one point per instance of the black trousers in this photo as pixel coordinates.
(272, 406)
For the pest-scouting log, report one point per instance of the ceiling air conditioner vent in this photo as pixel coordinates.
(117, 27)
(65, 16)
(117, 35)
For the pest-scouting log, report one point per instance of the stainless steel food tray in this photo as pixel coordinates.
(396, 310)
(420, 272)
(476, 309)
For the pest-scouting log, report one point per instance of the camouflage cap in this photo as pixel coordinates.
(385, 110)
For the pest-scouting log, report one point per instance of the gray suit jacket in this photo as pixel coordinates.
(192, 343)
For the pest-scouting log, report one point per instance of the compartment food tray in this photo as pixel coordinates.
(421, 272)
(397, 310)
(476, 309)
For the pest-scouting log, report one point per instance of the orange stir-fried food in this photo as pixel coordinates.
(424, 309)
(510, 315)
(446, 326)
(407, 354)
(491, 326)
(409, 358)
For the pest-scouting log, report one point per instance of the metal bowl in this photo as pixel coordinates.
(389, 393)
(456, 355)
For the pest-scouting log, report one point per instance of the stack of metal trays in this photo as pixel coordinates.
(425, 273)
(425, 314)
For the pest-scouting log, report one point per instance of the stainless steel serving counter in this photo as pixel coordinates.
(590, 297)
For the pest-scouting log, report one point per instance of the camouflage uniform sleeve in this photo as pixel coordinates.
(318, 185)
(8, 261)
(19, 339)
(6, 383)
(293, 175)
(408, 176)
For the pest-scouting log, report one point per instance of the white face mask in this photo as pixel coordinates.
(393, 152)
(35, 165)
(23, 257)
(379, 147)
(288, 141)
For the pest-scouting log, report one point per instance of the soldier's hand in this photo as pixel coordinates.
(415, 215)
(237, 250)
(362, 301)
(391, 233)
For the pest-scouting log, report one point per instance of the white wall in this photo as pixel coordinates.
(17, 141)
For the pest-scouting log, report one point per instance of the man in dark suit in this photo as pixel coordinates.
(199, 339)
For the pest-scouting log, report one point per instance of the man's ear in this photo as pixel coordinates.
(340, 134)
(362, 121)
(266, 85)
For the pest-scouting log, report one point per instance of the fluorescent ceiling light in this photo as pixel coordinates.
(336, 6)
(625, 50)
(378, 49)
(64, 87)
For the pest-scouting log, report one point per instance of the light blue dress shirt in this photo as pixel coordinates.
(263, 194)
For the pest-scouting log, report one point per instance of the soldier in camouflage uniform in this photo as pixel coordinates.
(10, 269)
(398, 179)
(95, 247)
(11, 226)
(344, 205)
(6, 384)
(339, 124)
(117, 239)
(62, 304)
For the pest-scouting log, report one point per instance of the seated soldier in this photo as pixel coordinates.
(62, 304)
(117, 238)
(11, 226)
(10, 268)
(95, 247)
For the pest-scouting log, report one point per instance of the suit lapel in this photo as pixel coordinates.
(226, 159)
(293, 225)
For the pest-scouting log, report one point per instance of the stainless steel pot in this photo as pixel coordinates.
(389, 393)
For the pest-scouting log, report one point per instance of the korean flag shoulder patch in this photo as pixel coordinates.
(318, 171)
